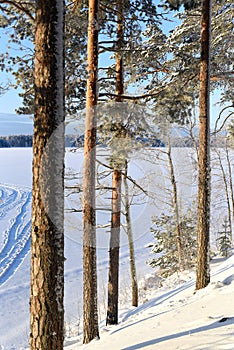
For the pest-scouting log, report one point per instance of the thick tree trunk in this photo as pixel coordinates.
(47, 239)
(90, 313)
(113, 282)
(203, 269)
(130, 240)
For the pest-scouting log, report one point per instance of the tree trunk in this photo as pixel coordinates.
(176, 209)
(225, 181)
(47, 237)
(90, 313)
(203, 228)
(130, 241)
(231, 189)
(113, 282)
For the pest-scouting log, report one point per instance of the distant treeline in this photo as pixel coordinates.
(70, 141)
(77, 142)
(16, 141)
(27, 141)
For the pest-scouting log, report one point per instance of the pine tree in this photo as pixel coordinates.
(224, 242)
(127, 207)
(47, 238)
(90, 314)
(203, 270)
(181, 67)
(113, 282)
(164, 230)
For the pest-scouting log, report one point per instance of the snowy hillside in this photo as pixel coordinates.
(176, 318)
(171, 315)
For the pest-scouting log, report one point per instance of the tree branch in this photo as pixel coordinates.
(128, 177)
(217, 120)
(129, 97)
(18, 6)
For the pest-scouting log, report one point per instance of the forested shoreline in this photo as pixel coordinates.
(78, 141)
(70, 141)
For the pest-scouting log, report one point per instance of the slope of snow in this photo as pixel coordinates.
(177, 318)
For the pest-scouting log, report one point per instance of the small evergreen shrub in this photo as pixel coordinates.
(165, 247)
(224, 240)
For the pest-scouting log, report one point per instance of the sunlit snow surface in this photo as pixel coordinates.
(176, 318)
(170, 317)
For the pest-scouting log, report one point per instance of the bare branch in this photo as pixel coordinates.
(128, 177)
(129, 97)
(220, 114)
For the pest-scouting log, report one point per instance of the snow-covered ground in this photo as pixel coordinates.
(171, 317)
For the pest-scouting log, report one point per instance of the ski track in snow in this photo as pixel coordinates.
(14, 203)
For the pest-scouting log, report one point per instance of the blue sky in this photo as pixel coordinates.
(10, 101)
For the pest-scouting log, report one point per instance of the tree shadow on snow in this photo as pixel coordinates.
(221, 323)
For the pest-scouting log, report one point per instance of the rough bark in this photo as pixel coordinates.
(113, 282)
(203, 228)
(47, 237)
(130, 240)
(90, 313)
